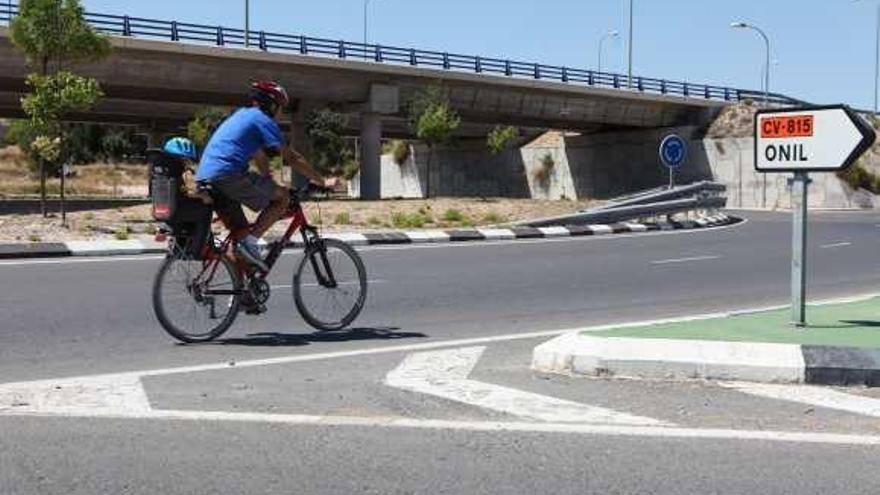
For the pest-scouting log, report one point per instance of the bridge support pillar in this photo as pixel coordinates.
(371, 156)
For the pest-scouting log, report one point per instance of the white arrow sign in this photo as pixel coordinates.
(810, 139)
(445, 374)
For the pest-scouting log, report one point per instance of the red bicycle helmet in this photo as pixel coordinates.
(270, 93)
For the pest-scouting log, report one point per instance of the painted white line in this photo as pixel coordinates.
(445, 374)
(685, 260)
(555, 231)
(835, 245)
(497, 234)
(487, 426)
(369, 282)
(437, 243)
(811, 395)
(601, 229)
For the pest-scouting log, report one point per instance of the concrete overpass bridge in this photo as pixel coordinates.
(161, 72)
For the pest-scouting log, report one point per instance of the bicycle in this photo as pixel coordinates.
(212, 288)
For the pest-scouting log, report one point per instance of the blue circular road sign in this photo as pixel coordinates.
(673, 151)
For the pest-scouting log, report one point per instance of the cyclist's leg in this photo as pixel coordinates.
(280, 200)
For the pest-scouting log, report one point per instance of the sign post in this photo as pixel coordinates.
(803, 140)
(673, 153)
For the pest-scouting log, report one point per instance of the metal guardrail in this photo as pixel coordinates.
(123, 25)
(662, 194)
(703, 196)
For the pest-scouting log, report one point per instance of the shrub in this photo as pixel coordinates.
(343, 218)
(453, 215)
(325, 129)
(500, 138)
(122, 233)
(493, 218)
(400, 151)
(351, 169)
(204, 123)
(543, 173)
(34, 238)
(409, 221)
(858, 177)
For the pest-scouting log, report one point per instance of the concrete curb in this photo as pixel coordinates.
(578, 354)
(133, 247)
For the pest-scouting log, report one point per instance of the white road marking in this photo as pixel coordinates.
(811, 395)
(289, 286)
(396, 247)
(835, 245)
(445, 374)
(685, 260)
(481, 426)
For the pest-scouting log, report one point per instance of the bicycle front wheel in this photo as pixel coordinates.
(195, 301)
(330, 285)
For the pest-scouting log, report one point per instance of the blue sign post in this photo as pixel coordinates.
(673, 154)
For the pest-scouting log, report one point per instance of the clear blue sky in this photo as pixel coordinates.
(824, 48)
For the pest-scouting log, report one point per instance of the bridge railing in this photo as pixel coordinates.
(121, 25)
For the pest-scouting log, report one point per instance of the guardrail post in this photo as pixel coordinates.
(126, 26)
(686, 90)
(263, 45)
(663, 86)
(706, 92)
(413, 60)
(726, 94)
(478, 65)
(565, 74)
(639, 84)
(537, 71)
(220, 40)
(591, 79)
(616, 81)
(378, 54)
(342, 49)
(507, 70)
(446, 61)
(303, 45)
(175, 36)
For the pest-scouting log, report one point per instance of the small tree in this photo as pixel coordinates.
(501, 138)
(53, 34)
(433, 121)
(325, 130)
(204, 123)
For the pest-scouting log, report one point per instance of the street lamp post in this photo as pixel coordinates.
(366, 12)
(743, 25)
(609, 34)
(629, 74)
(247, 23)
(876, 61)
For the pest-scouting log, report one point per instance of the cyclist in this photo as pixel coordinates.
(252, 133)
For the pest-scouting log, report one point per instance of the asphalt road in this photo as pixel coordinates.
(67, 318)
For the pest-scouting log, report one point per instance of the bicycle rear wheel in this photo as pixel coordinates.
(194, 304)
(330, 285)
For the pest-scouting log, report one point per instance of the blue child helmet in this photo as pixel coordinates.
(182, 147)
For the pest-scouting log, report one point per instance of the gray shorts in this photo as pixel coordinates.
(250, 189)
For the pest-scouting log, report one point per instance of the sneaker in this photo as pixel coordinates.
(249, 250)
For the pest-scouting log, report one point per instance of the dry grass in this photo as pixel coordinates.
(90, 180)
(335, 216)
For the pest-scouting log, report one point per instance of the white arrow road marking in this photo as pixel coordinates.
(445, 374)
(811, 395)
(101, 395)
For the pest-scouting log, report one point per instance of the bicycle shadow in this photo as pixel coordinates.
(275, 339)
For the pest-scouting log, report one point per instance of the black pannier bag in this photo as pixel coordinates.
(188, 219)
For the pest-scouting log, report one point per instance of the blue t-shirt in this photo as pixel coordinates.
(236, 141)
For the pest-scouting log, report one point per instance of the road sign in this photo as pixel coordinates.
(811, 139)
(803, 140)
(673, 151)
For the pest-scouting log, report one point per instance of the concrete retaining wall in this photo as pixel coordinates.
(602, 166)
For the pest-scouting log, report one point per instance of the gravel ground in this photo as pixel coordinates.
(337, 215)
